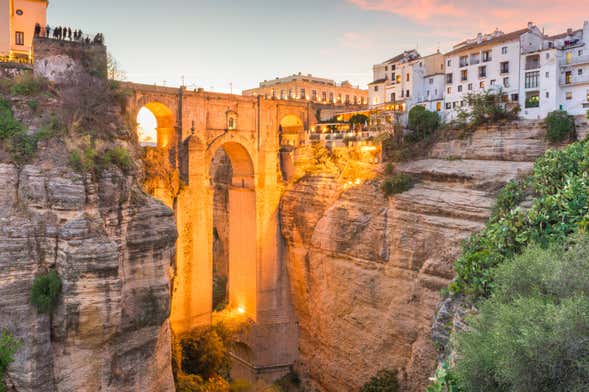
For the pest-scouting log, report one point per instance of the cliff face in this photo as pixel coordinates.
(366, 272)
(110, 243)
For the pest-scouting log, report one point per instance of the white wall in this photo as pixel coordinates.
(455, 97)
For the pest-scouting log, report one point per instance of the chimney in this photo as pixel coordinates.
(569, 31)
(530, 25)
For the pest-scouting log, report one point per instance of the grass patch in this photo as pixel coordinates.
(27, 84)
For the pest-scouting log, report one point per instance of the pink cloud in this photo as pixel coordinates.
(469, 17)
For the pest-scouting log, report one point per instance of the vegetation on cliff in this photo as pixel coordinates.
(45, 291)
(527, 273)
(8, 347)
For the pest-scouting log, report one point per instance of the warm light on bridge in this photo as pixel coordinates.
(241, 310)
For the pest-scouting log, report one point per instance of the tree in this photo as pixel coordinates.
(422, 122)
(531, 335)
(559, 126)
(45, 290)
(114, 71)
(358, 120)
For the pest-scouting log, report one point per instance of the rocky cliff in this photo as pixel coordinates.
(366, 271)
(110, 243)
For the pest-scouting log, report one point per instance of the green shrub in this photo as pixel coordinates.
(28, 84)
(45, 291)
(489, 107)
(9, 126)
(33, 104)
(389, 169)
(8, 347)
(444, 380)
(531, 335)
(560, 183)
(559, 126)
(119, 157)
(397, 183)
(422, 122)
(22, 147)
(384, 381)
(205, 352)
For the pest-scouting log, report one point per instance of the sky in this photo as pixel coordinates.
(231, 45)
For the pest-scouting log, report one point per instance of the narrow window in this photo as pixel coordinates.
(19, 38)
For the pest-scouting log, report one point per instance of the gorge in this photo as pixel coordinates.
(337, 280)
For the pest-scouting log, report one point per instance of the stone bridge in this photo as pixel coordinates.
(191, 127)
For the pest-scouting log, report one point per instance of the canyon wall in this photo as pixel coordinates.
(111, 244)
(366, 271)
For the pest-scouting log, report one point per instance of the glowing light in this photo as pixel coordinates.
(368, 148)
(241, 310)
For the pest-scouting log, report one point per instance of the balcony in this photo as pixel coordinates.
(575, 61)
(574, 80)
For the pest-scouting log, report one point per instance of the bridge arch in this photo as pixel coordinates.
(162, 136)
(292, 129)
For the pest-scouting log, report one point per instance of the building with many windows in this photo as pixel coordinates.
(312, 89)
(486, 62)
(17, 26)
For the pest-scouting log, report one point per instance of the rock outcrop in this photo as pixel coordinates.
(366, 272)
(111, 244)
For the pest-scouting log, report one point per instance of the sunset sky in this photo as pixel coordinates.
(217, 42)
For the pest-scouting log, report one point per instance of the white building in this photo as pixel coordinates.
(490, 61)
(392, 79)
(429, 83)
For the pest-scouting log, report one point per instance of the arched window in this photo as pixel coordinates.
(231, 120)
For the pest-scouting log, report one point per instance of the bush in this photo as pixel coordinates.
(384, 381)
(560, 185)
(389, 169)
(45, 291)
(532, 334)
(28, 84)
(22, 148)
(89, 160)
(119, 157)
(444, 380)
(33, 104)
(8, 347)
(205, 352)
(489, 107)
(398, 183)
(422, 122)
(559, 126)
(9, 126)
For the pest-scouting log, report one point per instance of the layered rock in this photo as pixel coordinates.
(366, 272)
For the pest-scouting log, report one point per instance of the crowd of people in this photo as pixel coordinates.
(67, 34)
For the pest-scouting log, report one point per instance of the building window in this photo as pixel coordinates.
(569, 57)
(531, 79)
(470, 87)
(19, 12)
(505, 67)
(314, 95)
(402, 93)
(482, 71)
(449, 63)
(514, 97)
(504, 50)
(431, 80)
(282, 94)
(532, 99)
(547, 94)
(273, 93)
(386, 67)
(19, 38)
(303, 94)
(438, 106)
(454, 104)
(463, 61)
(493, 82)
(533, 62)
(448, 105)
(547, 75)
(347, 99)
(482, 84)
(587, 96)
(408, 78)
(393, 97)
(580, 71)
(331, 97)
(339, 98)
(568, 77)
(506, 82)
(449, 78)
(580, 53)
(398, 79)
(324, 96)
(407, 94)
(290, 93)
(449, 90)
(427, 94)
(569, 95)
(461, 103)
(375, 88)
(459, 88)
(393, 67)
(486, 56)
(464, 75)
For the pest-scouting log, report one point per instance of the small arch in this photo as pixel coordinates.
(155, 125)
(241, 163)
(231, 120)
(291, 130)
